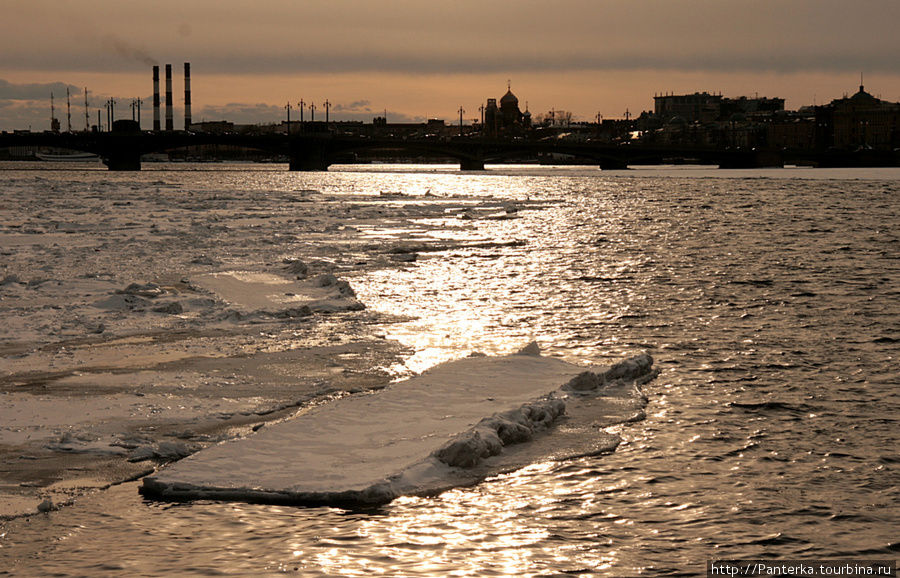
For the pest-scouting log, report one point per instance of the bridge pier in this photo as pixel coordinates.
(310, 153)
(308, 164)
(613, 165)
(471, 165)
(752, 160)
(123, 163)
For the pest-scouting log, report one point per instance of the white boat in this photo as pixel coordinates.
(68, 157)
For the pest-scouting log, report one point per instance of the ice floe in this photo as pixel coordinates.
(249, 292)
(417, 436)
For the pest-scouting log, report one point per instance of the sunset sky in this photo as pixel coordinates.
(416, 60)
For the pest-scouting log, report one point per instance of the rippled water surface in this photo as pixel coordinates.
(769, 299)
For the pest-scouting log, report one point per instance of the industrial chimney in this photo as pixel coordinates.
(155, 98)
(187, 96)
(170, 116)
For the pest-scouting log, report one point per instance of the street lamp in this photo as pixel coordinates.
(287, 107)
(110, 113)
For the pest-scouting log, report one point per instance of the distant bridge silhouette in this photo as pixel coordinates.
(316, 151)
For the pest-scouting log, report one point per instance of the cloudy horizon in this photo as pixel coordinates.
(413, 61)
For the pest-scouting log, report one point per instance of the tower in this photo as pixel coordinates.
(187, 96)
(170, 114)
(156, 126)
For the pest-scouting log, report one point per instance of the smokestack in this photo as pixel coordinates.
(187, 96)
(170, 117)
(155, 98)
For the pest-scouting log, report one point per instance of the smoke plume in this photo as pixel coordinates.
(114, 44)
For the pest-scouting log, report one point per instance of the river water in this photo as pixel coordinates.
(770, 300)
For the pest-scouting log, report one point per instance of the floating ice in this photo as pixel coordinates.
(420, 435)
(248, 292)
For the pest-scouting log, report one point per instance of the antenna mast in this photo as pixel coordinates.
(54, 123)
(87, 115)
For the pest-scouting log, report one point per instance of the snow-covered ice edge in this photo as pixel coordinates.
(448, 427)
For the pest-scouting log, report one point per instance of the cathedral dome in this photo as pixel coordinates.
(509, 98)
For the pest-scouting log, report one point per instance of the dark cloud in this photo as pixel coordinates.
(239, 112)
(468, 36)
(35, 91)
(30, 114)
(25, 104)
(764, 60)
(356, 106)
(578, 35)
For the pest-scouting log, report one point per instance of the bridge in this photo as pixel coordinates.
(316, 151)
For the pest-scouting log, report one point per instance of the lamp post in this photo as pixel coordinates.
(110, 113)
(287, 107)
(136, 110)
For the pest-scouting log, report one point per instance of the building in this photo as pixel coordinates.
(213, 126)
(509, 110)
(706, 108)
(793, 130)
(862, 121)
(380, 127)
(506, 119)
(752, 107)
(699, 107)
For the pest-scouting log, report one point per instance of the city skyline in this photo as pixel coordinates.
(414, 62)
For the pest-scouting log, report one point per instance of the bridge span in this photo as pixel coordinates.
(316, 151)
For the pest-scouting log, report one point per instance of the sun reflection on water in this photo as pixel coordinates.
(507, 530)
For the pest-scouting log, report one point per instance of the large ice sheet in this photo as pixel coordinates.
(415, 436)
